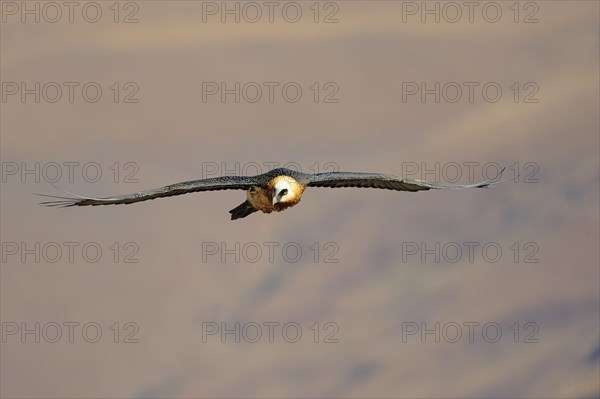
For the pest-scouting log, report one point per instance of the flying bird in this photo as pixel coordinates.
(273, 191)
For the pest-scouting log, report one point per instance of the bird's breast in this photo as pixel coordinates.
(261, 199)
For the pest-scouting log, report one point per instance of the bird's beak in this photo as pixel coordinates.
(275, 197)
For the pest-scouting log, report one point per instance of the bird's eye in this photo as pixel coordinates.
(284, 191)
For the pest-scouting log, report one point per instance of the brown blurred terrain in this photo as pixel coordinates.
(374, 290)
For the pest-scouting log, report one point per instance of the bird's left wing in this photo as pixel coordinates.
(384, 181)
(211, 184)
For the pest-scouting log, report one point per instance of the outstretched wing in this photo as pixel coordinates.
(212, 184)
(388, 182)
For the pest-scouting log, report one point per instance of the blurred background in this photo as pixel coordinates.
(135, 95)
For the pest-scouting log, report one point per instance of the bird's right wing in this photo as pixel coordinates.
(388, 182)
(211, 184)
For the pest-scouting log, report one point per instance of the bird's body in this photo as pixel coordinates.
(281, 192)
(269, 192)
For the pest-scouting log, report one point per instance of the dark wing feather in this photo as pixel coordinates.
(216, 183)
(388, 182)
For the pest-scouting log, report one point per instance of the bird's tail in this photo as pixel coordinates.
(242, 211)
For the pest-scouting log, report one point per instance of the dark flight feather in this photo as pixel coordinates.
(212, 184)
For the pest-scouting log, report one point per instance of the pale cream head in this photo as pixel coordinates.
(285, 192)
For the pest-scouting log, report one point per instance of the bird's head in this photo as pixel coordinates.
(286, 192)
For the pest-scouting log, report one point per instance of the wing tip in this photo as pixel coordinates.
(491, 183)
(484, 184)
(59, 202)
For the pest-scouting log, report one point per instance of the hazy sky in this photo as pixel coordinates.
(351, 293)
